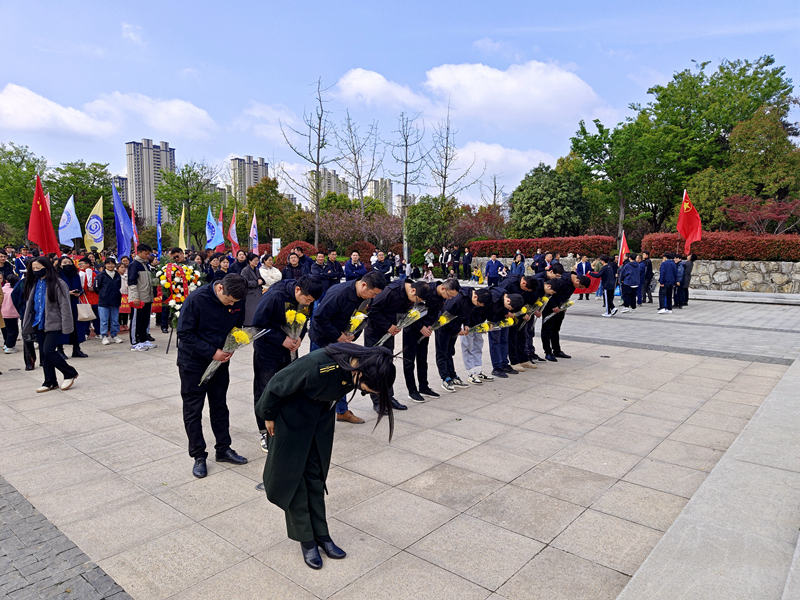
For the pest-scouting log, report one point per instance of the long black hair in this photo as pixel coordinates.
(375, 370)
(51, 278)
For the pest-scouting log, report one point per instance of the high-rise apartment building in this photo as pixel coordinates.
(399, 204)
(146, 163)
(121, 183)
(381, 189)
(329, 182)
(245, 173)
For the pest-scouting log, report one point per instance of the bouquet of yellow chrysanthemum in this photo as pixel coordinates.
(443, 320)
(359, 319)
(414, 314)
(235, 340)
(530, 309)
(563, 307)
(484, 327)
(296, 319)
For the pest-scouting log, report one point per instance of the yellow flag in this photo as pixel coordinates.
(182, 236)
(94, 238)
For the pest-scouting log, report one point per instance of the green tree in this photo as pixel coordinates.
(548, 203)
(332, 201)
(149, 236)
(271, 207)
(191, 186)
(18, 169)
(431, 222)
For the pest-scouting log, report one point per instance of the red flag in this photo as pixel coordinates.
(220, 247)
(135, 231)
(232, 237)
(623, 249)
(40, 227)
(689, 224)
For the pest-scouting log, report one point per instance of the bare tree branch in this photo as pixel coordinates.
(442, 158)
(492, 192)
(359, 157)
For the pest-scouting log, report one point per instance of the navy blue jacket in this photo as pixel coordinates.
(668, 273)
(332, 316)
(648, 273)
(583, 268)
(629, 274)
(461, 307)
(290, 272)
(330, 273)
(606, 277)
(204, 325)
(386, 306)
(643, 272)
(383, 267)
(352, 273)
(434, 302)
(108, 289)
(271, 315)
(511, 285)
(493, 268)
(306, 262)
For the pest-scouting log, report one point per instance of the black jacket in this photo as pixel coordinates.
(332, 316)
(384, 267)
(511, 285)
(271, 315)
(497, 310)
(108, 289)
(567, 289)
(305, 263)
(461, 307)
(386, 306)
(607, 277)
(434, 302)
(204, 325)
(330, 273)
(648, 272)
(236, 267)
(466, 259)
(290, 272)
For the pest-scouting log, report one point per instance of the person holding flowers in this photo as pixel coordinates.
(461, 307)
(206, 318)
(395, 299)
(273, 350)
(551, 327)
(416, 337)
(333, 321)
(529, 288)
(503, 306)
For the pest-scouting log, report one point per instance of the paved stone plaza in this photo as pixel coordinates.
(555, 483)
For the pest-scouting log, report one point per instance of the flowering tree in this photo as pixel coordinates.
(486, 222)
(339, 227)
(383, 230)
(763, 216)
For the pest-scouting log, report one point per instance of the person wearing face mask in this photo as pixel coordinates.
(108, 286)
(69, 274)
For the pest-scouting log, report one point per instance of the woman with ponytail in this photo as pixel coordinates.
(297, 408)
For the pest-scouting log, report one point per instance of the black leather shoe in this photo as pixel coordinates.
(30, 368)
(551, 358)
(331, 550)
(397, 406)
(79, 354)
(509, 370)
(312, 557)
(199, 470)
(429, 392)
(417, 397)
(230, 456)
(150, 338)
(536, 358)
(499, 373)
(561, 354)
(164, 330)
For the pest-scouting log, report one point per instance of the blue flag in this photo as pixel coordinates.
(213, 232)
(122, 225)
(69, 228)
(158, 232)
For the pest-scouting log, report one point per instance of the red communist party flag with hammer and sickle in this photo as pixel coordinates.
(689, 225)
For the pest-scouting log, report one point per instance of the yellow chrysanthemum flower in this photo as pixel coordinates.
(300, 319)
(414, 314)
(291, 315)
(442, 320)
(241, 337)
(524, 310)
(510, 321)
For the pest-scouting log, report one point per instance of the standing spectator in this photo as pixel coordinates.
(382, 266)
(429, 258)
(688, 267)
(48, 315)
(108, 286)
(207, 317)
(642, 273)
(88, 276)
(21, 261)
(667, 276)
(140, 297)
(678, 291)
(125, 309)
(493, 270)
(398, 264)
(334, 269)
(224, 269)
(304, 261)
(213, 266)
(6, 267)
(323, 271)
(648, 277)
(354, 268)
(456, 256)
(607, 284)
(466, 263)
(240, 263)
(75, 337)
(294, 269)
(629, 282)
(254, 282)
(518, 265)
(10, 316)
(268, 272)
(583, 268)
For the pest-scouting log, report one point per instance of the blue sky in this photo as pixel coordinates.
(79, 79)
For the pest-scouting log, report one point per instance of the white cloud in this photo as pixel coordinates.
(524, 95)
(24, 110)
(172, 117)
(493, 47)
(132, 33)
(264, 120)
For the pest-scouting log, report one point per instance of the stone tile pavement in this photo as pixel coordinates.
(553, 483)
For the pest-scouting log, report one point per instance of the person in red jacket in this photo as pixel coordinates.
(88, 276)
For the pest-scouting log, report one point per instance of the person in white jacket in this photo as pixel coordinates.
(268, 272)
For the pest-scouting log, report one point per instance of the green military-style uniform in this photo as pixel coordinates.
(300, 399)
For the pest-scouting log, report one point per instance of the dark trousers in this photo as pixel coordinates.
(647, 292)
(529, 330)
(11, 333)
(681, 296)
(194, 397)
(492, 281)
(550, 333)
(264, 369)
(516, 344)
(305, 516)
(51, 359)
(165, 315)
(29, 351)
(415, 354)
(628, 296)
(445, 343)
(608, 299)
(665, 296)
(371, 337)
(140, 319)
(498, 348)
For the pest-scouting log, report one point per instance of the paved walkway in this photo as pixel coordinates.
(555, 483)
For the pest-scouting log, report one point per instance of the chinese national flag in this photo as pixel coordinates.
(623, 249)
(40, 228)
(689, 225)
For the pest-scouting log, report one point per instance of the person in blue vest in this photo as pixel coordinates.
(667, 276)
(493, 271)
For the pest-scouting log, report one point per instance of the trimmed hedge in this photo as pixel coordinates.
(591, 245)
(723, 245)
(283, 255)
(364, 249)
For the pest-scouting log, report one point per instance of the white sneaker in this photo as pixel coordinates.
(484, 377)
(139, 348)
(626, 309)
(68, 383)
(116, 340)
(613, 312)
(662, 311)
(669, 312)
(105, 341)
(149, 345)
(474, 379)
(264, 438)
(606, 315)
(458, 383)
(447, 386)
(10, 350)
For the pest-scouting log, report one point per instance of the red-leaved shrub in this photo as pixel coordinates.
(364, 249)
(723, 245)
(591, 245)
(283, 255)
